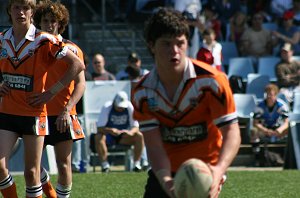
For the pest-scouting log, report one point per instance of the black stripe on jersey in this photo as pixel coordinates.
(227, 122)
(201, 71)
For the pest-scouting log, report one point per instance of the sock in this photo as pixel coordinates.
(137, 164)
(34, 191)
(48, 189)
(8, 187)
(105, 165)
(63, 191)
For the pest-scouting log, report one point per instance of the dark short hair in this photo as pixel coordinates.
(133, 57)
(166, 21)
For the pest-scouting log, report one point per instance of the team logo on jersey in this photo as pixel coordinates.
(3, 53)
(31, 52)
(152, 104)
(42, 125)
(194, 101)
(78, 131)
(15, 59)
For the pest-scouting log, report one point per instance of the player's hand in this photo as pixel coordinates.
(217, 181)
(169, 188)
(37, 100)
(63, 121)
(4, 89)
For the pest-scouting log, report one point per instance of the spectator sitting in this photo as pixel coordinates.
(288, 32)
(256, 41)
(100, 72)
(210, 43)
(270, 119)
(288, 73)
(133, 61)
(117, 126)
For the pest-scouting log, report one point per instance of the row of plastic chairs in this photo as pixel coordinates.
(246, 103)
(243, 66)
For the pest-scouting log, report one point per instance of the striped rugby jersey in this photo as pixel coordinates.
(24, 67)
(189, 123)
(55, 73)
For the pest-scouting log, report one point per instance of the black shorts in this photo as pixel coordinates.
(22, 125)
(55, 136)
(153, 187)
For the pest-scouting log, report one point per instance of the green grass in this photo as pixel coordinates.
(240, 184)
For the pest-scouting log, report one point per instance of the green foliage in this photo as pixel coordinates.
(239, 184)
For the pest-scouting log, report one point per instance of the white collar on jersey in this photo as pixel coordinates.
(30, 35)
(189, 72)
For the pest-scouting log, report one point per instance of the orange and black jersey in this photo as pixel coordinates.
(57, 104)
(25, 67)
(189, 123)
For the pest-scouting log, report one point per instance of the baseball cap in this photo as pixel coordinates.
(133, 57)
(121, 99)
(287, 47)
(289, 14)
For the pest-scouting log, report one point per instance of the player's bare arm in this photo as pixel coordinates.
(75, 67)
(230, 147)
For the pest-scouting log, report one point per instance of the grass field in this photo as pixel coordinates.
(240, 184)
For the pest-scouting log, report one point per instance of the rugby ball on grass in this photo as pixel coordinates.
(193, 179)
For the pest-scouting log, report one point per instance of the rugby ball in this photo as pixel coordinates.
(193, 179)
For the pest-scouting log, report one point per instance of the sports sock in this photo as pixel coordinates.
(8, 187)
(48, 189)
(105, 165)
(34, 191)
(63, 191)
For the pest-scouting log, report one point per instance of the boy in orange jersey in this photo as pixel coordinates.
(64, 126)
(185, 108)
(26, 54)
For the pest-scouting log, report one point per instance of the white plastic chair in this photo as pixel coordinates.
(229, 50)
(245, 104)
(256, 84)
(241, 66)
(267, 65)
(296, 102)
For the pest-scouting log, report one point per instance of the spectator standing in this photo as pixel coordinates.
(24, 64)
(296, 10)
(63, 123)
(270, 122)
(191, 10)
(135, 61)
(100, 72)
(117, 126)
(278, 7)
(210, 21)
(226, 10)
(177, 122)
(288, 32)
(288, 73)
(238, 25)
(210, 43)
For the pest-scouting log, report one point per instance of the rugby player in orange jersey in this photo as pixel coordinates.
(64, 126)
(185, 108)
(26, 55)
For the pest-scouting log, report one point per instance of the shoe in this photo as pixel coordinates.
(105, 170)
(137, 168)
(75, 170)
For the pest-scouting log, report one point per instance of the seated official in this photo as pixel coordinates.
(117, 126)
